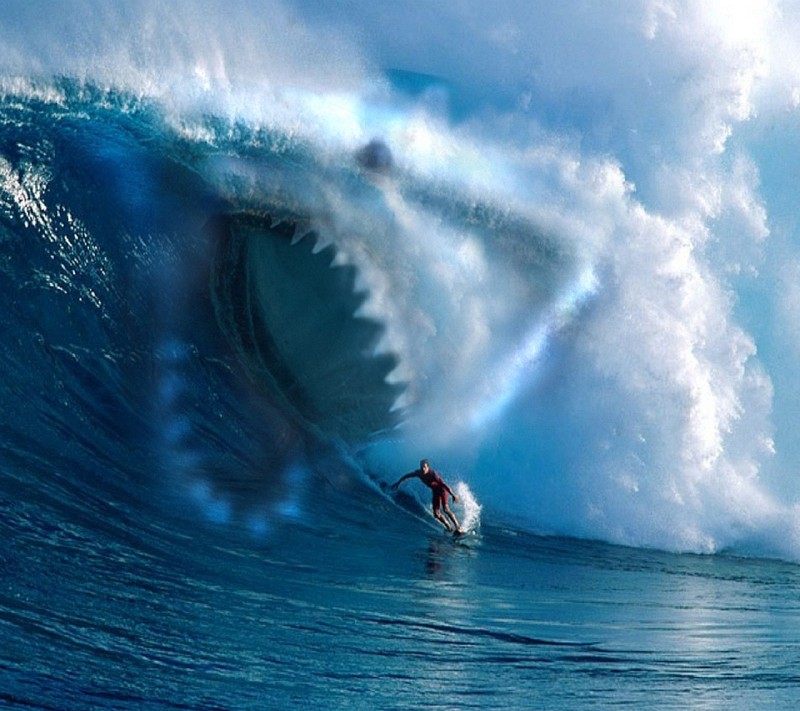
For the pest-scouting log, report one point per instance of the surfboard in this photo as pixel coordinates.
(464, 533)
(466, 538)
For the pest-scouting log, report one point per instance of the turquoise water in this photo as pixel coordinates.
(199, 424)
(361, 615)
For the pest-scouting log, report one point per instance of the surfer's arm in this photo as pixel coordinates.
(410, 475)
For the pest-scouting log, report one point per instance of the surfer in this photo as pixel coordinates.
(440, 491)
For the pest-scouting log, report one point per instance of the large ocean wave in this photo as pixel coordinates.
(224, 288)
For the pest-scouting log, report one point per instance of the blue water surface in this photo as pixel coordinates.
(186, 517)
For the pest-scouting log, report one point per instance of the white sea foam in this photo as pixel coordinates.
(655, 406)
(470, 518)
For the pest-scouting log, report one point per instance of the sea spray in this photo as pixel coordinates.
(471, 516)
(582, 332)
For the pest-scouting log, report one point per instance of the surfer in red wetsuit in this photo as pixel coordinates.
(440, 491)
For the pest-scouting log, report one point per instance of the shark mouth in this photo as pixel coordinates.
(290, 313)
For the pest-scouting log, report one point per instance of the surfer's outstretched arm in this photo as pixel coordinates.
(410, 475)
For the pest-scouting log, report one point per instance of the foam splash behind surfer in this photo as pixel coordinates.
(440, 491)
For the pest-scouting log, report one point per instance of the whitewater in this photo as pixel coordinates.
(256, 261)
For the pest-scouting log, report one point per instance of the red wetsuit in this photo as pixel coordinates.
(434, 481)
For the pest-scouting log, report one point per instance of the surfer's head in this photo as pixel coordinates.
(424, 464)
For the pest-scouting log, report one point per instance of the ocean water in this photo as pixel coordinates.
(248, 283)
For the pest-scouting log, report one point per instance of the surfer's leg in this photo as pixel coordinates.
(437, 503)
(444, 502)
(452, 517)
(444, 521)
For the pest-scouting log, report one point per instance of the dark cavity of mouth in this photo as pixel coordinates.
(290, 315)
